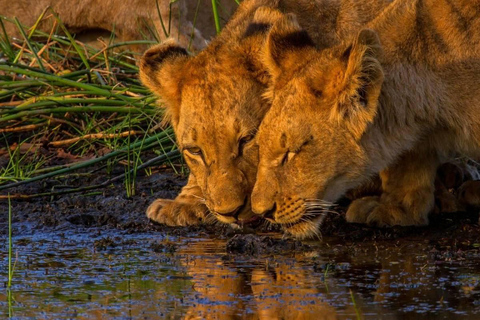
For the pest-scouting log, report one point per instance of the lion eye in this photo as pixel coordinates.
(243, 141)
(287, 157)
(194, 151)
(246, 139)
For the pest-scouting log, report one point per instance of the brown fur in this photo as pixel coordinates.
(214, 101)
(399, 99)
(468, 195)
(128, 19)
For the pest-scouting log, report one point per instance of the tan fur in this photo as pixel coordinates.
(128, 19)
(214, 101)
(399, 99)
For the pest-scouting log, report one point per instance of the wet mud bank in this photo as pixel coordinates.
(97, 255)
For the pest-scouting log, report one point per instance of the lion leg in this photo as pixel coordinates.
(457, 176)
(187, 209)
(450, 176)
(445, 201)
(468, 195)
(408, 194)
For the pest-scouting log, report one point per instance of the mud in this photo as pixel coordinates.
(250, 244)
(96, 255)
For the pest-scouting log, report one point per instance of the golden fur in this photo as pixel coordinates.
(130, 20)
(214, 101)
(399, 98)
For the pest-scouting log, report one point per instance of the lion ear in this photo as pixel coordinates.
(285, 44)
(263, 20)
(161, 71)
(359, 88)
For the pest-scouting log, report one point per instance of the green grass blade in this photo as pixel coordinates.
(76, 109)
(132, 42)
(29, 44)
(64, 81)
(170, 15)
(194, 24)
(5, 44)
(10, 270)
(215, 16)
(50, 100)
(147, 143)
(35, 26)
(174, 155)
(72, 41)
(161, 19)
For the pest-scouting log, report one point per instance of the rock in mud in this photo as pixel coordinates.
(251, 244)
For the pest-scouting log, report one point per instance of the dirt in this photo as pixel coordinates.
(110, 208)
(107, 208)
(251, 244)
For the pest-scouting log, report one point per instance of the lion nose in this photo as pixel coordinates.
(230, 209)
(270, 214)
(262, 207)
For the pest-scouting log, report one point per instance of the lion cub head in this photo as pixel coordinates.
(214, 102)
(310, 141)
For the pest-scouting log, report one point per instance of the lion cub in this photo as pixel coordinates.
(214, 102)
(398, 99)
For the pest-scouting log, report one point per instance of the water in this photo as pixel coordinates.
(98, 275)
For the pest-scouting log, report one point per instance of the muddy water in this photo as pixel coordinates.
(100, 274)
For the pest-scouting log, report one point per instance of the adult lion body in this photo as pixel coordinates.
(214, 101)
(130, 20)
(399, 108)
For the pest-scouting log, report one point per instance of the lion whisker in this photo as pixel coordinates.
(269, 225)
(318, 212)
(317, 206)
(317, 200)
(210, 217)
(203, 200)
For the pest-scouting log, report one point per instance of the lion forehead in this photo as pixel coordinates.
(234, 102)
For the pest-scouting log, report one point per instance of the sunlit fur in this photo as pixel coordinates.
(214, 99)
(399, 98)
(129, 20)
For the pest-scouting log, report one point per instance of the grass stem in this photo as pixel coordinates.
(215, 16)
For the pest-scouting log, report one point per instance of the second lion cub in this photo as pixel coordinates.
(400, 98)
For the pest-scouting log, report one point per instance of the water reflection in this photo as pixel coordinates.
(282, 293)
(251, 288)
(373, 279)
(58, 277)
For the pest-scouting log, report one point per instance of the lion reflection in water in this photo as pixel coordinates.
(291, 288)
(225, 291)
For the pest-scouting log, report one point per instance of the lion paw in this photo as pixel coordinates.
(445, 203)
(360, 209)
(469, 195)
(375, 211)
(371, 211)
(387, 216)
(176, 213)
